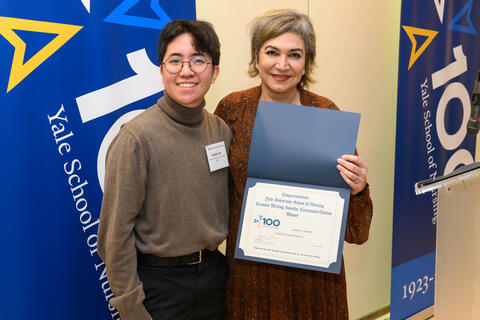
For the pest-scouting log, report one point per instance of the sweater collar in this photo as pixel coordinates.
(179, 113)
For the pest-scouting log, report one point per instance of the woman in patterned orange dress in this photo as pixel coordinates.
(283, 53)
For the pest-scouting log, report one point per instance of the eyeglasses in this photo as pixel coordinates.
(174, 65)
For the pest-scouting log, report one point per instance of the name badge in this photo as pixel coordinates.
(217, 156)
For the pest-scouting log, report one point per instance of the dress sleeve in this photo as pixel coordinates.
(221, 110)
(123, 197)
(360, 211)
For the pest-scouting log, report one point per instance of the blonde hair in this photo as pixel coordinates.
(275, 23)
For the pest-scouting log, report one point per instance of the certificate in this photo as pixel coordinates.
(295, 202)
(292, 224)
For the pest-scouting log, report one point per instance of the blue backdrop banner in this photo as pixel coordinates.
(70, 73)
(438, 62)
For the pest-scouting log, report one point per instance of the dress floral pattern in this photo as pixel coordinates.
(260, 291)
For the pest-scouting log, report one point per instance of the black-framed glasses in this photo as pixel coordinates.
(174, 65)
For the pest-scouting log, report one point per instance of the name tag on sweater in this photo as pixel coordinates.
(217, 156)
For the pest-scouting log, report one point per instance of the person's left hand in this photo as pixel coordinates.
(354, 171)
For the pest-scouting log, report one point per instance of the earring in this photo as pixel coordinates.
(303, 72)
(256, 66)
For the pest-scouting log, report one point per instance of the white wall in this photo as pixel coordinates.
(356, 68)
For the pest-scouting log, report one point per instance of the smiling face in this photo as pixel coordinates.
(187, 87)
(281, 61)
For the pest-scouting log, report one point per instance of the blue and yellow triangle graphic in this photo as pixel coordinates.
(118, 16)
(467, 10)
(412, 32)
(21, 70)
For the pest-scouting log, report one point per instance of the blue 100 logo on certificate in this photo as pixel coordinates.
(260, 221)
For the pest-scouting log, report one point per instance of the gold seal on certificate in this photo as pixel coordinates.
(292, 224)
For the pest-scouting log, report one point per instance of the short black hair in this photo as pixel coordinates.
(204, 38)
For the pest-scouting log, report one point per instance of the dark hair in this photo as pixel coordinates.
(204, 38)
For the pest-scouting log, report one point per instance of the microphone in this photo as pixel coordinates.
(474, 121)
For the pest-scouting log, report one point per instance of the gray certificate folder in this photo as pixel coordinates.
(299, 146)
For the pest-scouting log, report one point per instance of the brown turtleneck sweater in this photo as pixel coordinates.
(160, 197)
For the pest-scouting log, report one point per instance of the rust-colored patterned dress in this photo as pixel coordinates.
(260, 291)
